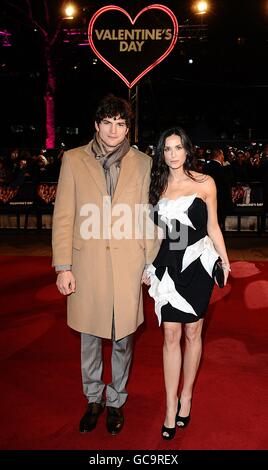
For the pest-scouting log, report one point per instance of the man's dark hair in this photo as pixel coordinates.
(112, 106)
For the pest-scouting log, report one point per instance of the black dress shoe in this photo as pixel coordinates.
(115, 420)
(91, 416)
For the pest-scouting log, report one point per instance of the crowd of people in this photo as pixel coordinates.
(241, 175)
(242, 164)
(21, 165)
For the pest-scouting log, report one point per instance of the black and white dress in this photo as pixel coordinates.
(181, 275)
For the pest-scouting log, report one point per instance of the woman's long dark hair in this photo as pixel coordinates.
(160, 170)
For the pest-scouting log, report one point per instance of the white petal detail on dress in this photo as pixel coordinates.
(170, 209)
(209, 256)
(204, 249)
(163, 292)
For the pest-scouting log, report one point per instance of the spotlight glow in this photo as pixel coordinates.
(202, 7)
(70, 11)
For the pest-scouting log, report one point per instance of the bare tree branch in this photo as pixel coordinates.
(46, 11)
(56, 33)
(12, 5)
(41, 29)
(30, 11)
(28, 17)
(45, 25)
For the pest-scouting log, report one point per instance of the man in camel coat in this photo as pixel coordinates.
(100, 249)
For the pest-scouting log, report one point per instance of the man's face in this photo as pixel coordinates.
(112, 131)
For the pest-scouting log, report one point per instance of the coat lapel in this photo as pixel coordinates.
(95, 170)
(97, 173)
(126, 172)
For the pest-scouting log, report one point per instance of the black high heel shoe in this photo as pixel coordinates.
(170, 432)
(182, 421)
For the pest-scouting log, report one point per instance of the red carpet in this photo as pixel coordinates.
(41, 392)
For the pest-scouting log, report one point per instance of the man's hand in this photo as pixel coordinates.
(65, 282)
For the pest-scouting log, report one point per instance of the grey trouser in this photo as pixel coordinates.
(92, 365)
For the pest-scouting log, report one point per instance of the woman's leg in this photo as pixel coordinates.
(172, 367)
(191, 360)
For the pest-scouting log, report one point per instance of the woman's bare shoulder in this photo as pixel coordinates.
(205, 184)
(199, 177)
(208, 186)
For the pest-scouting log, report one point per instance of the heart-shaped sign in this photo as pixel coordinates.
(47, 192)
(132, 47)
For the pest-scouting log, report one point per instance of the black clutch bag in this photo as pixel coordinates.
(218, 273)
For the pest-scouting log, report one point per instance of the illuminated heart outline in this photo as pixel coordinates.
(156, 62)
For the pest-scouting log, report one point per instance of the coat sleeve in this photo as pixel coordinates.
(151, 239)
(63, 216)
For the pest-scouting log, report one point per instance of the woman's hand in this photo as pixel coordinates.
(226, 269)
(145, 278)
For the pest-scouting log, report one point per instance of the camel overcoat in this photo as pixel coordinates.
(107, 266)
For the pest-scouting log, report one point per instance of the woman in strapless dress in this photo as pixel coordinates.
(180, 278)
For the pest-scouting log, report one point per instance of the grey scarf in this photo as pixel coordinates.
(110, 161)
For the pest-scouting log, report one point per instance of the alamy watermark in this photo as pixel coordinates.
(123, 221)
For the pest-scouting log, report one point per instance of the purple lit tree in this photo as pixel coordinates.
(44, 16)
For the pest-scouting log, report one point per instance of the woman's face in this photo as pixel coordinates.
(174, 152)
